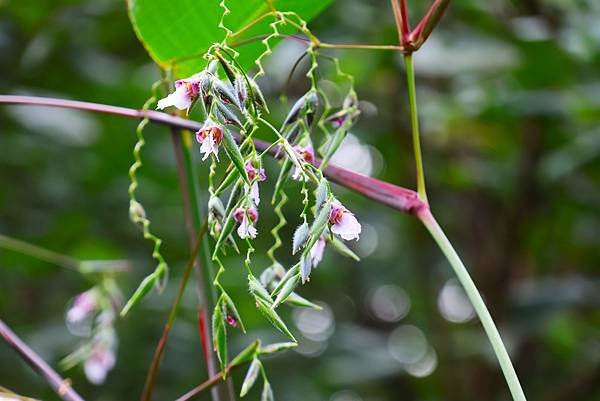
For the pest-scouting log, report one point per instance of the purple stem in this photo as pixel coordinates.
(399, 198)
(61, 386)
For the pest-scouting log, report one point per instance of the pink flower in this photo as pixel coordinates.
(307, 154)
(83, 305)
(210, 137)
(232, 321)
(100, 362)
(186, 92)
(343, 222)
(255, 176)
(247, 218)
(316, 252)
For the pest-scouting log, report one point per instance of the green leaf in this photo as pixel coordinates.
(219, 334)
(176, 29)
(260, 293)
(246, 354)
(342, 248)
(287, 276)
(274, 318)
(233, 310)
(143, 289)
(300, 237)
(318, 226)
(227, 228)
(321, 193)
(287, 289)
(251, 377)
(234, 154)
(297, 300)
(276, 347)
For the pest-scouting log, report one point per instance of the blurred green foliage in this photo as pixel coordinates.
(509, 98)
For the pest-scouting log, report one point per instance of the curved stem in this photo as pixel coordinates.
(61, 386)
(414, 121)
(477, 301)
(399, 198)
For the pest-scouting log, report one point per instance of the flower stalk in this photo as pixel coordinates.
(476, 300)
(414, 120)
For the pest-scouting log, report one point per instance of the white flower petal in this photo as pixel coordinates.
(348, 227)
(254, 194)
(180, 99)
(209, 146)
(95, 371)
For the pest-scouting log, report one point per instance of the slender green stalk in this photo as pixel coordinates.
(482, 312)
(414, 121)
(37, 252)
(206, 290)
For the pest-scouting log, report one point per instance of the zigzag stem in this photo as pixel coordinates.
(136, 210)
(273, 25)
(226, 11)
(282, 222)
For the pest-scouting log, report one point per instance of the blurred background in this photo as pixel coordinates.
(509, 99)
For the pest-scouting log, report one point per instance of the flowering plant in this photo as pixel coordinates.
(228, 111)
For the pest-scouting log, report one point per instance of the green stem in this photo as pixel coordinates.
(478, 304)
(414, 121)
(37, 252)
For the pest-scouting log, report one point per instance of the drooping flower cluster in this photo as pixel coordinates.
(232, 110)
(92, 316)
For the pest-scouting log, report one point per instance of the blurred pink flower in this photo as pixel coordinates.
(83, 305)
(100, 362)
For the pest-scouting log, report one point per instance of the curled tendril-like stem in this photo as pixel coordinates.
(138, 215)
(281, 222)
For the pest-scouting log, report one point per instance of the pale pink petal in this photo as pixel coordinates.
(95, 371)
(180, 99)
(316, 252)
(347, 227)
(97, 366)
(252, 231)
(254, 194)
(246, 229)
(83, 305)
(209, 146)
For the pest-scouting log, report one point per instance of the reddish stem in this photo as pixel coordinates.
(61, 386)
(427, 24)
(203, 330)
(399, 198)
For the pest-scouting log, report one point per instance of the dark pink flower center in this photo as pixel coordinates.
(232, 321)
(336, 214)
(214, 130)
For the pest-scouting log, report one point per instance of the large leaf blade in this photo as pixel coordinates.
(177, 32)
